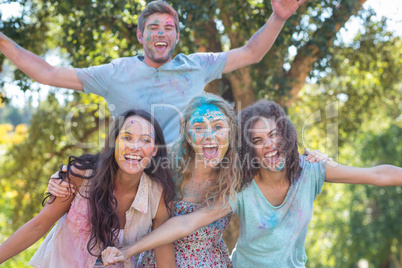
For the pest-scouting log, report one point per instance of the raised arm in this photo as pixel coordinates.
(173, 229)
(30, 232)
(37, 68)
(383, 175)
(264, 38)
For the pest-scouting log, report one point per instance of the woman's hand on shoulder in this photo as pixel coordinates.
(58, 187)
(112, 255)
(315, 156)
(61, 188)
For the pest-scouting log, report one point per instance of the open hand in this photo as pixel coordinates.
(285, 8)
(112, 255)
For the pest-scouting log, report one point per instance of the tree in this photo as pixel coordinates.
(94, 32)
(364, 85)
(56, 131)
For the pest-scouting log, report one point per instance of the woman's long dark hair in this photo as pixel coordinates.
(286, 131)
(102, 202)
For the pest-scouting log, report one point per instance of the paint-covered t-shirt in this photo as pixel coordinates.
(129, 83)
(274, 236)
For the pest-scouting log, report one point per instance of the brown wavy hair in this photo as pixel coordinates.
(286, 131)
(158, 6)
(228, 174)
(102, 202)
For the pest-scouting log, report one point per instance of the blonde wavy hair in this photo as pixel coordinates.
(228, 176)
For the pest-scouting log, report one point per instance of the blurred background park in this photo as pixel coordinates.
(336, 67)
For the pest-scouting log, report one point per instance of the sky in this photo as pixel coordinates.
(391, 9)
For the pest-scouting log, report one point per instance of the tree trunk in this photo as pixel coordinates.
(386, 263)
(242, 88)
(310, 53)
(397, 263)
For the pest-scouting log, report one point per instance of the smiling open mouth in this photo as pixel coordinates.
(272, 157)
(133, 159)
(160, 45)
(210, 151)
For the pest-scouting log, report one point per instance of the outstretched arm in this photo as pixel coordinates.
(30, 232)
(37, 68)
(383, 175)
(171, 230)
(264, 38)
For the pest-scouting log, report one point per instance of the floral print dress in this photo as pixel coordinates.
(203, 248)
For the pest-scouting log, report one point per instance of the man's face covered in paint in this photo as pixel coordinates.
(158, 39)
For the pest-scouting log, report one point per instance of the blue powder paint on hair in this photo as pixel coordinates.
(207, 110)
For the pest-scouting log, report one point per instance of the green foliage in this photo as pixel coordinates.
(359, 92)
(95, 32)
(374, 225)
(364, 86)
(52, 137)
(56, 131)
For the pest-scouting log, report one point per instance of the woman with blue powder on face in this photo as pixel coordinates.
(206, 170)
(276, 201)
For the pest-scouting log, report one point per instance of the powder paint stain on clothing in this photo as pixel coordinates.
(165, 82)
(207, 62)
(296, 210)
(180, 84)
(97, 80)
(268, 221)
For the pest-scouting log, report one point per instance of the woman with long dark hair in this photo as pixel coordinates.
(206, 170)
(121, 193)
(276, 200)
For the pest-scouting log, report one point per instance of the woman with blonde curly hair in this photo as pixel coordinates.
(206, 170)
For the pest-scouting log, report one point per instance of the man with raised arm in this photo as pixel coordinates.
(154, 81)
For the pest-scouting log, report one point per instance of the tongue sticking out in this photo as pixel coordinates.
(210, 152)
